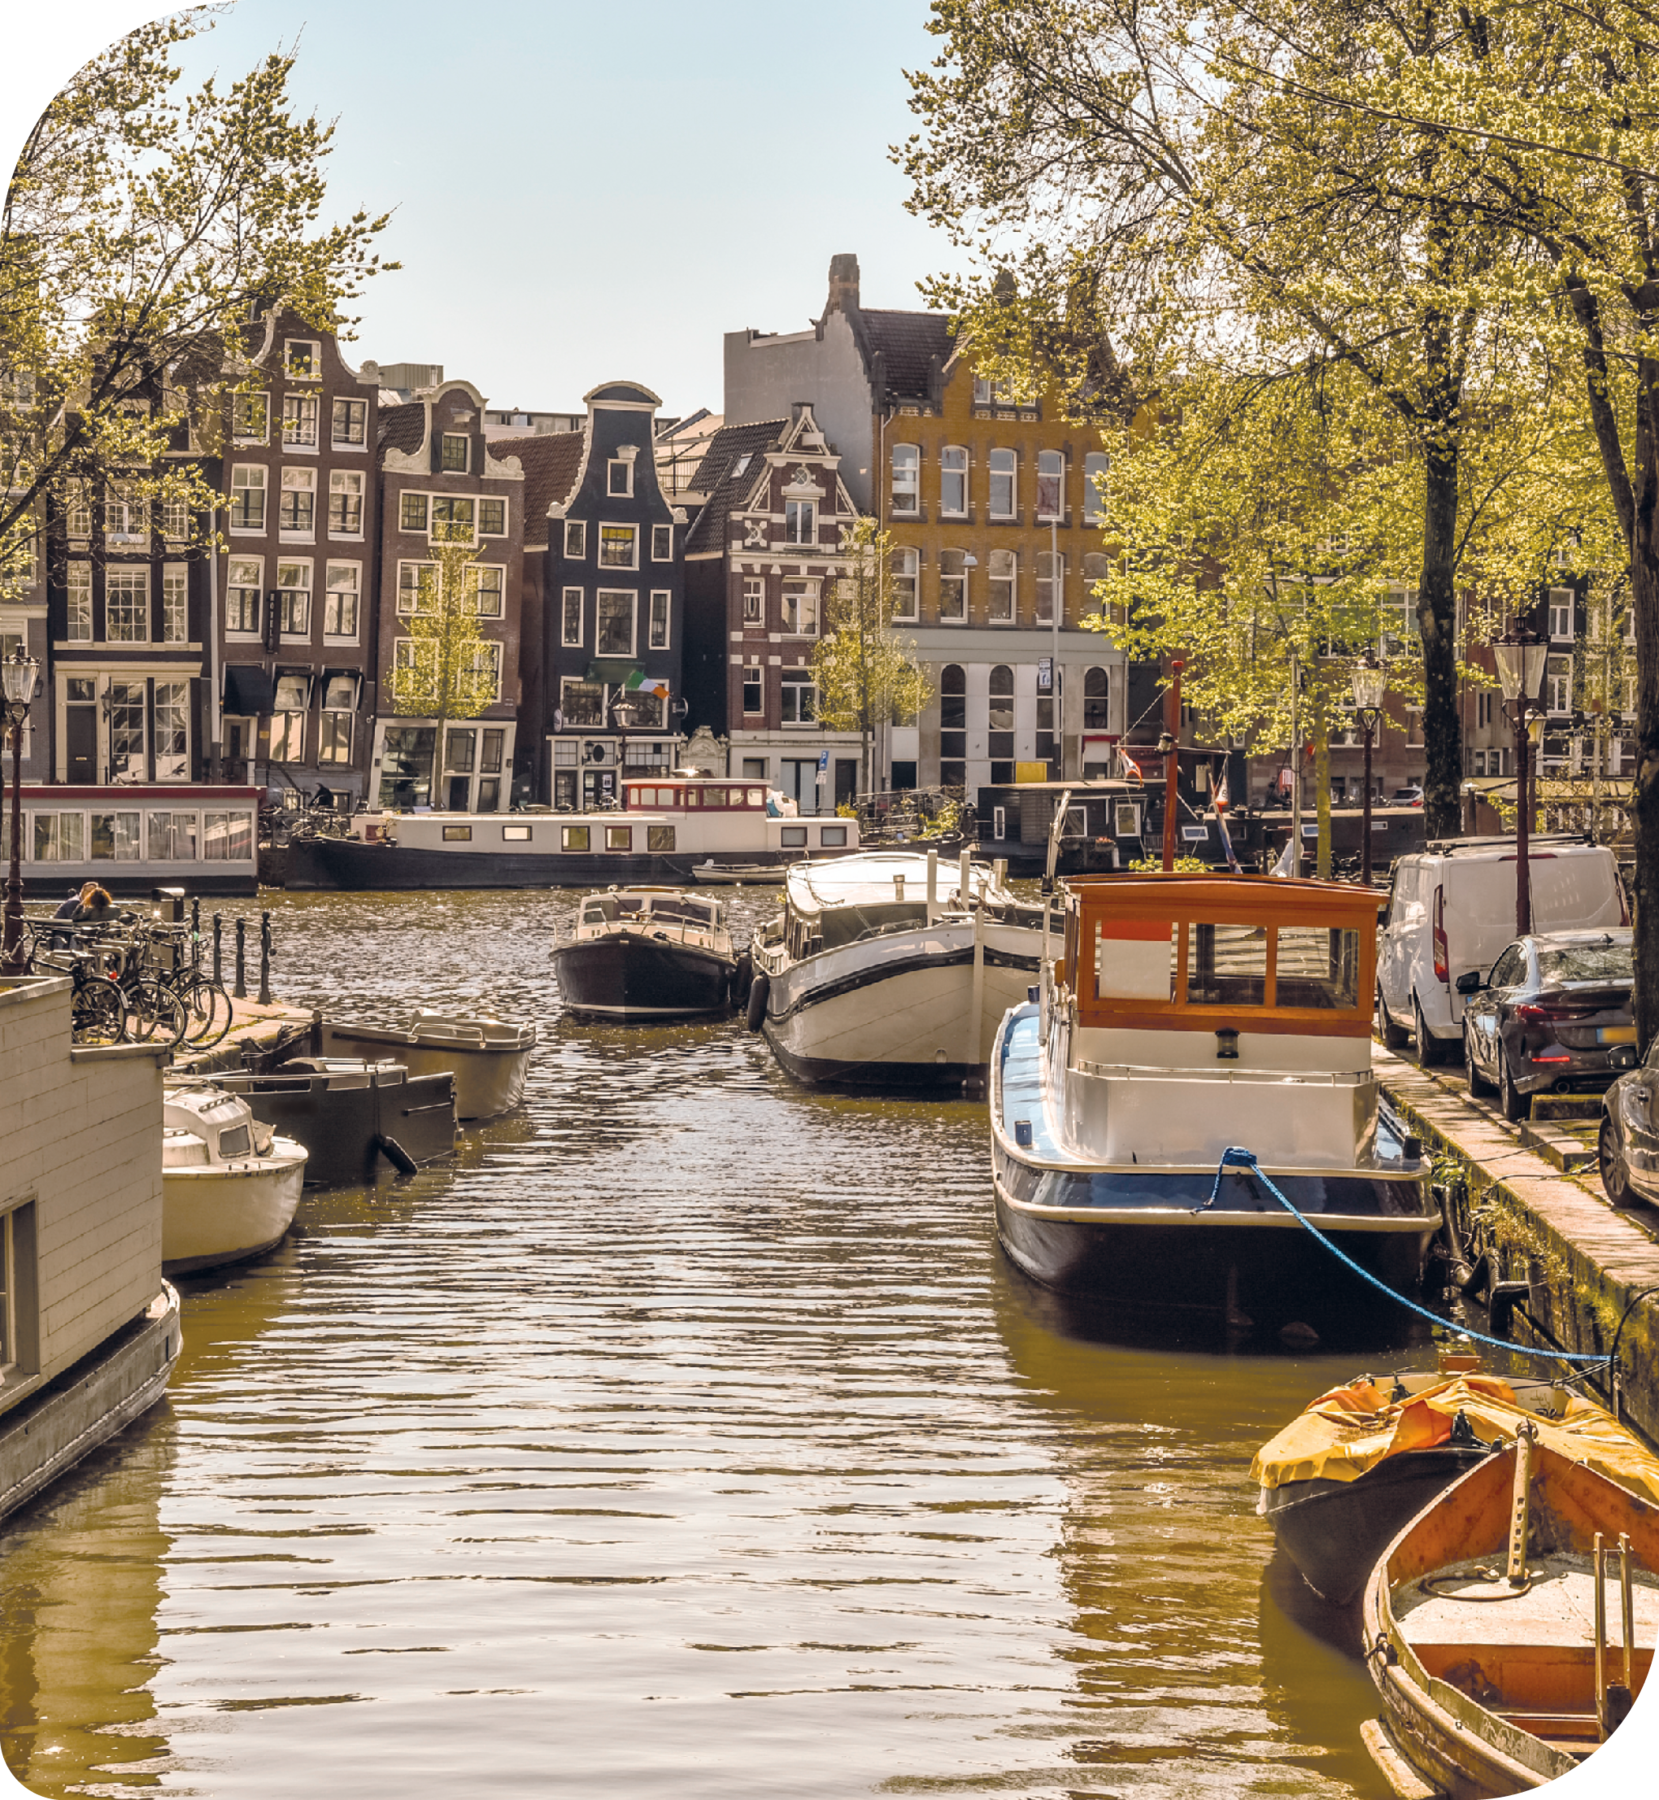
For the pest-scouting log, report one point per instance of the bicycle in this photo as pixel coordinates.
(97, 1008)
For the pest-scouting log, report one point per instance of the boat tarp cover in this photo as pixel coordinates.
(1351, 1429)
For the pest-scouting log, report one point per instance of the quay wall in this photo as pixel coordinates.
(80, 1177)
(1585, 1263)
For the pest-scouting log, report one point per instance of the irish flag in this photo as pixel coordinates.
(644, 684)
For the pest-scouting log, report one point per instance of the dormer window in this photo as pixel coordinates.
(302, 359)
(619, 474)
(454, 453)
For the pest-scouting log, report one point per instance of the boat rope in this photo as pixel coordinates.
(1236, 1157)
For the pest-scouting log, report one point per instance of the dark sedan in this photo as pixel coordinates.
(1553, 1013)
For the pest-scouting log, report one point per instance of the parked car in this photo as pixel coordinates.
(1553, 1013)
(1629, 1138)
(1406, 796)
(1451, 909)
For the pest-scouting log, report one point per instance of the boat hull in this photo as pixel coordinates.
(45, 1435)
(1334, 1531)
(898, 1012)
(631, 975)
(227, 1212)
(487, 1081)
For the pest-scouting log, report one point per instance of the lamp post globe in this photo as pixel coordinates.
(1370, 685)
(1521, 660)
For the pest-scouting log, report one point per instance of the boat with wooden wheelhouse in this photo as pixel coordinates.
(1507, 1627)
(647, 953)
(1192, 1019)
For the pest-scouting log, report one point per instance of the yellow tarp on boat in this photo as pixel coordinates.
(1350, 1429)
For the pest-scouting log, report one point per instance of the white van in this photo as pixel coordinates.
(1452, 908)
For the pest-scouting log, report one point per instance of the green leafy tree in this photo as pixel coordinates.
(866, 672)
(445, 668)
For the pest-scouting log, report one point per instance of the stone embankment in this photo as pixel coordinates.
(255, 1030)
(1531, 1202)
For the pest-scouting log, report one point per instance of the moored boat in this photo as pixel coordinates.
(890, 969)
(1349, 1471)
(489, 1058)
(229, 1186)
(647, 953)
(1505, 1625)
(1198, 1039)
(740, 874)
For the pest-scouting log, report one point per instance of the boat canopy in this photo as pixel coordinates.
(656, 903)
(1213, 953)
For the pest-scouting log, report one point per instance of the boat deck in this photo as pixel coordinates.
(1022, 1088)
(1556, 1613)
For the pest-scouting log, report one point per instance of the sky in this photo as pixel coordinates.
(579, 192)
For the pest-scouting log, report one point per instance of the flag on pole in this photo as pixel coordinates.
(1131, 768)
(640, 683)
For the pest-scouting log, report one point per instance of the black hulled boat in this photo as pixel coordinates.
(648, 953)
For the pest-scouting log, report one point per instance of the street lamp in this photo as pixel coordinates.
(1370, 684)
(1521, 660)
(17, 689)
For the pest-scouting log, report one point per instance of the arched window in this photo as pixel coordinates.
(953, 482)
(953, 587)
(1051, 485)
(907, 481)
(1002, 703)
(1002, 680)
(953, 703)
(1004, 465)
(1095, 466)
(1003, 571)
(952, 680)
(903, 571)
(1097, 694)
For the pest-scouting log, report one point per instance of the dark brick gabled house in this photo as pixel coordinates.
(439, 481)
(611, 603)
(761, 558)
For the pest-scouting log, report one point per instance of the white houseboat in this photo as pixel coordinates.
(888, 969)
(1190, 1016)
(132, 839)
(89, 1330)
(666, 826)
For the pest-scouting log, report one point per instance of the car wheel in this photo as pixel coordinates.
(1393, 1036)
(1615, 1171)
(1428, 1049)
(1514, 1106)
(1479, 1086)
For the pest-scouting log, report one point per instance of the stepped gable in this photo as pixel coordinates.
(725, 490)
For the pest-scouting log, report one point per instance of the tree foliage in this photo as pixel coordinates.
(445, 667)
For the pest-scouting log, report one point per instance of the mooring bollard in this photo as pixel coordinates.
(264, 959)
(219, 949)
(196, 920)
(240, 990)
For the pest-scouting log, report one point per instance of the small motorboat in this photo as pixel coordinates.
(1346, 1474)
(647, 953)
(1198, 1038)
(353, 1117)
(1504, 1626)
(489, 1058)
(739, 874)
(229, 1185)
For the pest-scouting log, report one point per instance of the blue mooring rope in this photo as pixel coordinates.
(1238, 1158)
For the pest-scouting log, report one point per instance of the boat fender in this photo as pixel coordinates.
(743, 975)
(759, 989)
(395, 1154)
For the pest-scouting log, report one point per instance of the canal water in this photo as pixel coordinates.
(689, 1436)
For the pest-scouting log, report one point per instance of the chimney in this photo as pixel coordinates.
(843, 284)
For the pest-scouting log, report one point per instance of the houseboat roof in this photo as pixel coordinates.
(871, 878)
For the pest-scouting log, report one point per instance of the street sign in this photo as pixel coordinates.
(1045, 674)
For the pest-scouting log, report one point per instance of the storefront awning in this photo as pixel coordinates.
(613, 671)
(248, 690)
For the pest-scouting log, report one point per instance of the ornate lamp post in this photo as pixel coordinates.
(17, 686)
(1370, 684)
(1521, 660)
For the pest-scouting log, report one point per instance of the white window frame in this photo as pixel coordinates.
(445, 439)
(576, 540)
(1561, 615)
(506, 514)
(1058, 516)
(809, 593)
(661, 606)
(246, 479)
(120, 503)
(175, 603)
(314, 349)
(179, 707)
(797, 681)
(800, 521)
(340, 482)
(954, 583)
(305, 406)
(954, 464)
(909, 458)
(626, 465)
(1056, 568)
(420, 589)
(1002, 587)
(349, 446)
(173, 513)
(78, 594)
(301, 564)
(119, 578)
(1011, 475)
(244, 633)
(631, 595)
(633, 538)
(662, 543)
(1095, 462)
(752, 676)
(754, 600)
(297, 481)
(423, 529)
(452, 501)
(570, 597)
(906, 578)
(475, 572)
(567, 682)
(1558, 686)
(237, 436)
(335, 589)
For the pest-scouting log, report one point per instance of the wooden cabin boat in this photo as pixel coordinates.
(1507, 1625)
(647, 953)
(1359, 1462)
(890, 969)
(666, 826)
(1187, 1015)
(489, 1058)
(229, 1185)
(353, 1118)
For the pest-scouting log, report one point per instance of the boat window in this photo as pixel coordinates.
(234, 1142)
(457, 834)
(516, 834)
(793, 837)
(659, 838)
(1227, 966)
(833, 837)
(1135, 959)
(619, 837)
(576, 837)
(1317, 967)
(757, 796)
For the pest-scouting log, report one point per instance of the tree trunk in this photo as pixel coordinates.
(1322, 795)
(1437, 620)
(1644, 583)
